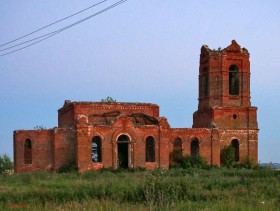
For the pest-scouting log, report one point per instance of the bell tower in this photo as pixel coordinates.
(224, 89)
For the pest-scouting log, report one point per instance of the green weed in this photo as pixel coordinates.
(177, 188)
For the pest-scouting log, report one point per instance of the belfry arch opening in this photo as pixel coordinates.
(123, 142)
(233, 80)
(235, 146)
(194, 149)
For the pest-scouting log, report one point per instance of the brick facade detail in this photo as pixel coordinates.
(96, 135)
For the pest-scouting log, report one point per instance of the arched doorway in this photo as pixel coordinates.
(235, 145)
(123, 141)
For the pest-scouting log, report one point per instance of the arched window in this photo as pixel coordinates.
(28, 151)
(233, 80)
(177, 150)
(150, 149)
(96, 154)
(235, 145)
(194, 149)
(205, 82)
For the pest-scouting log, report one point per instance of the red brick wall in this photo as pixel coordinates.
(235, 118)
(187, 135)
(218, 63)
(87, 108)
(202, 118)
(64, 147)
(109, 136)
(66, 116)
(247, 139)
(42, 153)
(72, 112)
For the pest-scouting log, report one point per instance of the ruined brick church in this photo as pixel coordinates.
(96, 135)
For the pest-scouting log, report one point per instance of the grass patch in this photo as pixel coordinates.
(177, 188)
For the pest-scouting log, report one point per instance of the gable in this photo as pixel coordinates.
(234, 47)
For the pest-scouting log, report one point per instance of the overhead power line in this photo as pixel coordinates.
(51, 34)
(53, 23)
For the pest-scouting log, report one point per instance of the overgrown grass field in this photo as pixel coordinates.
(174, 189)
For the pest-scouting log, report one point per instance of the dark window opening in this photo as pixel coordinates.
(205, 83)
(195, 149)
(233, 80)
(27, 151)
(150, 149)
(235, 145)
(123, 141)
(96, 152)
(234, 116)
(177, 150)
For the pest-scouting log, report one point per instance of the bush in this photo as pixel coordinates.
(108, 100)
(190, 162)
(247, 164)
(69, 167)
(6, 164)
(228, 156)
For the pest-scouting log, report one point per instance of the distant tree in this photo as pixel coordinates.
(108, 100)
(5, 164)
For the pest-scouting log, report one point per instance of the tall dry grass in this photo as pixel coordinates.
(179, 189)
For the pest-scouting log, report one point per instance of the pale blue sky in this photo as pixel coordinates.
(140, 51)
